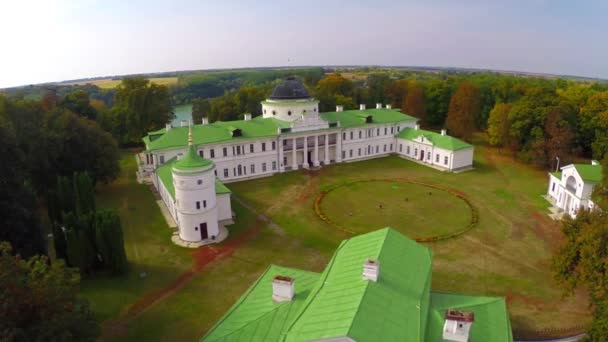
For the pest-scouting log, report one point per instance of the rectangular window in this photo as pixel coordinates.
(350, 153)
(360, 134)
(251, 148)
(215, 172)
(263, 167)
(343, 154)
(233, 151)
(553, 187)
(437, 158)
(161, 159)
(274, 145)
(445, 160)
(400, 147)
(274, 164)
(238, 150)
(351, 135)
(377, 148)
(198, 205)
(416, 152)
(391, 147)
(225, 173)
(377, 131)
(359, 152)
(398, 129)
(344, 136)
(200, 153)
(225, 151)
(284, 161)
(212, 152)
(263, 146)
(385, 130)
(204, 204)
(392, 130)
(428, 156)
(384, 150)
(252, 168)
(408, 149)
(234, 171)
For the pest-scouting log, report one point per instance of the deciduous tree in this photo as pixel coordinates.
(464, 107)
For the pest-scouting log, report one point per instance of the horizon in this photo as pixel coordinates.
(95, 39)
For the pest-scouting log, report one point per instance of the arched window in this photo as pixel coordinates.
(264, 111)
(314, 109)
(571, 184)
(274, 112)
(288, 112)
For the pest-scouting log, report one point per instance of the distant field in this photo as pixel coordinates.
(109, 83)
(354, 76)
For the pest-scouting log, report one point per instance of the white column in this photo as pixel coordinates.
(305, 156)
(326, 161)
(280, 148)
(294, 162)
(338, 147)
(316, 157)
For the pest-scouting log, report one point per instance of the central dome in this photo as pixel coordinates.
(290, 89)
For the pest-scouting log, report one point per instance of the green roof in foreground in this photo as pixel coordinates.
(165, 175)
(339, 303)
(589, 173)
(445, 142)
(353, 118)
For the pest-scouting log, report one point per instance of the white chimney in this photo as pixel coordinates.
(283, 288)
(443, 131)
(362, 106)
(371, 270)
(388, 106)
(168, 127)
(205, 121)
(184, 123)
(378, 105)
(417, 127)
(247, 116)
(457, 325)
(339, 108)
(595, 162)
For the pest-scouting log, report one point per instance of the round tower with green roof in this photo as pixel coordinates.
(195, 196)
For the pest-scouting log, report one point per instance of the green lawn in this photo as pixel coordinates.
(506, 254)
(408, 207)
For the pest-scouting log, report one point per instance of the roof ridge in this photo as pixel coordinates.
(387, 229)
(241, 299)
(321, 283)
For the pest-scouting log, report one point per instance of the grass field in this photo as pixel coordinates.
(403, 206)
(506, 254)
(109, 83)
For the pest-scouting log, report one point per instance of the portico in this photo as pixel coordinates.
(311, 151)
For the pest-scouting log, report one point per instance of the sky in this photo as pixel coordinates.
(55, 40)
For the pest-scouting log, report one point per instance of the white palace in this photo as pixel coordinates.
(290, 135)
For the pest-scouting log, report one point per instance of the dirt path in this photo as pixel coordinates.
(202, 257)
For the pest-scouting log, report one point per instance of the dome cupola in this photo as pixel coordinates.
(290, 89)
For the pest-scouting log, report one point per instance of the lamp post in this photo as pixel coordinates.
(557, 166)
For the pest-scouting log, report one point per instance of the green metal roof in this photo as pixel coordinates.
(289, 103)
(212, 133)
(491, 317)
(165, 175)
(220, 188)
(192, 161)
(339, 303)
(255, 317)
(445, 142)
(354, 118)
(589, 173)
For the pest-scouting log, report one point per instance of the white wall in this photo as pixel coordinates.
(462, 158)
(188, 192)
(224, 207)
(281, 111)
